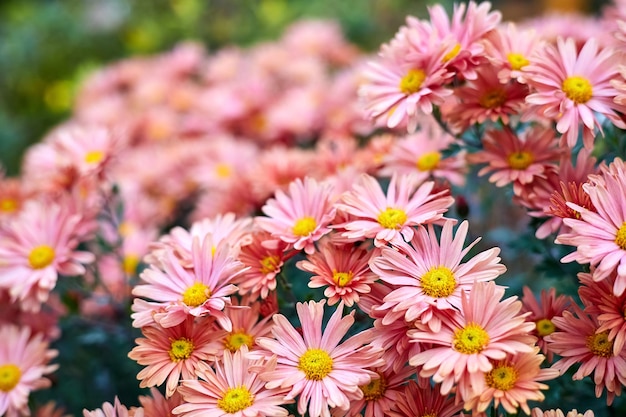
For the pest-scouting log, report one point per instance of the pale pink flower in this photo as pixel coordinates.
(429, 274)
(232, 389)
(156, 405)
(536, 412)
(424, 399)
(301, 216)
(390, 218)
(117, 409)
(23, 365)
(314, 365)
(173, 353)
(342, 269)
(509, 49)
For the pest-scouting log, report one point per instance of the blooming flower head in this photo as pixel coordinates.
(424, 400)
(248, 326)
(429, 276)
(510, 48)
(570, 86)
(315, 365)
(301, 216)
(390, 218)
(23, 363)
(232, 389)
(156, 405)
(117, 409)
(537, 412)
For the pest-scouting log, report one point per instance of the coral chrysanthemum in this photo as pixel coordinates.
(117, 409)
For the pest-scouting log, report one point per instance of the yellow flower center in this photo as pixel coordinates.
(41, 256)
(493, 98)
(578, 89)
(545, 327)
(453, 53)
(520, 160)
(8, 205)
(180, 349)
(438, 282)
(600, 345)
(235, 340)
(412, 81)
(620, 237)
(428, 161)
(470, 339)
(223, 170)
(269, 264)
(392, 218)
(10, 375)
(94, 157)
(502, 377)
(430, 414)
(304, 226)
(196, 295)
(235, 399)
(342, 278)
(316, 364)
(517, 61)
(130, 263)
(375, 389)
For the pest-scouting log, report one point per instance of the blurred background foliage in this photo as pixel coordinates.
(47, 47)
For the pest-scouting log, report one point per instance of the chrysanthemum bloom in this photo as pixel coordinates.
(517, 159)
(600, 237)
(232, 389)
(510, 49)
(173, 353)
(486, 328)
(117, 409)
(342, 269)
(536, 412)
(512, 383)
(314, 365)
(156, 405)
(179, 292)
(571, 87)
(429, 275)
(248, 325)
(23, 364)
(578, 342)
(35, 247)
(301, 216)
(542, 313)
(424, 400)
(390, 218)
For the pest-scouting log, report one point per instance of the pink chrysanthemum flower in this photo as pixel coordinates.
(301, 216)
(430, 276)
(156, 405)
(23, 364)
(600, 237)
(202, 291)
(173, 353)
(424, 400)
(36, 247)
(542, 313)
(390, 218)
(509, 49)
(342, 269)
(578, 342)
(248, 325)
(314, 365)
(570, 86)
(486, 328)
(233, 389)
(536, 412)
(117, 409)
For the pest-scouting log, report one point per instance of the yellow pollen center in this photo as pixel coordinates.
(94, 157)
(520, 160)
(493, 98)
(517, 61)
(620, 237)
(316, 364)
(502, 377)
(545, 327)
(41, 256)
(235, 340)
(600, 345)
(430, 414)
(453, 53)
(428, 161)
(412, 81)
(470, 339)
(196, 295)
(392, 218)
(269, 264)
(304, 226)
(130, 263)
(375, 389)
(10, 375)
(180, 349)
(223, 170)
(8, 205)
(578, 89)
(342, 278)
(236, 399)
(438, 282)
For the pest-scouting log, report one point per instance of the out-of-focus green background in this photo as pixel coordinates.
(48, 46)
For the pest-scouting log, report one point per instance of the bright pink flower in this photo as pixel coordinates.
(510, 49)
(422, 400)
